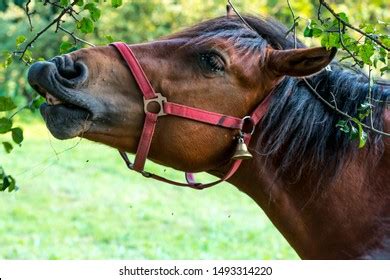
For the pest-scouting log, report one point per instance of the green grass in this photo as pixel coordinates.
(85, 204)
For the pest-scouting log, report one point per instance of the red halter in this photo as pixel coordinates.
(169, 108)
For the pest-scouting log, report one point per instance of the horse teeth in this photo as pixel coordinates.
(51, 100)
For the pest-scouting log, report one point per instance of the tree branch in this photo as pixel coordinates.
(29, 14)
(39, 34)
(326, 5)
(239, 15)
(75, 38)
(293, 27)
(326, 102)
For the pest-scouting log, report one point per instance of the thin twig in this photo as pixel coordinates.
(370, 96)
(39, 34)
(29, 14)
(75, 38)
(326, 5)
(326, 102)
(358, 62)
(241, 18)
(319, 13)
(294, 29)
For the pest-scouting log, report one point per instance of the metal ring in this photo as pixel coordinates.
(146, 174)
(159, 99)
(252, 122)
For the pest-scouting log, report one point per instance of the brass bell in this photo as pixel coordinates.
(241, 151)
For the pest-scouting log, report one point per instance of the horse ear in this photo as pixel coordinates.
(299, 62)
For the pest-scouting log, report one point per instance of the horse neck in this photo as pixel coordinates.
(344, 219)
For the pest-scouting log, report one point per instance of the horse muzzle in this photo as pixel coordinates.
(68, 110)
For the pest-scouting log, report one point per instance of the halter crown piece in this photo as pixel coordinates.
(168, 108)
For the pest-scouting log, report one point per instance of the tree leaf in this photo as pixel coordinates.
(6, 104)
(116, 3)
(65, 47)
(330, 40)
(5, 125)
(10, 183)
(7, 147)
(317, 32)
(17, 135)
(94, 11)
(343, 16)
(20, 40)
(343, 126)
(308, 32)
(27, 57)
(353, 133)
(65, 3)
(8, 59)
(366, 51)
(362, 137)
(109, 38)
(86, 25)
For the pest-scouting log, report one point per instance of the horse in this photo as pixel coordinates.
(327, 197)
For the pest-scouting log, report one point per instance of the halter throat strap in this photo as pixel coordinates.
(178, 110)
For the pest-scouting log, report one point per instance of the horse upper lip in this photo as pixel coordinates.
(44, 78)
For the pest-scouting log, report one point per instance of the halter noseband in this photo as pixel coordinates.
(169, 108)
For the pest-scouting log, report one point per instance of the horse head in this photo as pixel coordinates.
(219, 65)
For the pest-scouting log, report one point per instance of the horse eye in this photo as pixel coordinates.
(212, 62)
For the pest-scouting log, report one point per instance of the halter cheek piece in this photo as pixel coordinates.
(169, 108)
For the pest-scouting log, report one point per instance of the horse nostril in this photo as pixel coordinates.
(70, 72)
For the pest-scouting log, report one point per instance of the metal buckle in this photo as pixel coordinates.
(251, 122)
(146, 174)
(159, 99)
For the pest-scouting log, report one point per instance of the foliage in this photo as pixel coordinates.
(34, 30)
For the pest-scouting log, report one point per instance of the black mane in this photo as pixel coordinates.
(298, 136)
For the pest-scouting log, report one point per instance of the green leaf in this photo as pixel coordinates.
(7, 147)
(385, 69)
(17, 135)
(94, 11)
(364, 110)
(361, 134)
(317, 32)
(385, 39)
(116, 3)
(6, 104)
(65, 47)
(80, 3)
(5, 125)
(330, 40)
(343, 126)
(9, 182)
(362, 137)
(343, 16)
(37, 102)
(366, 51)
(8, 59)
(20, 40)
(353, 133)
(65, 3)
(308, 32)
(369, 28)
(27, 57)
(109, 38)
(86, 25)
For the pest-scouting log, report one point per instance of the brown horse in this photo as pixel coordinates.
(329, 199)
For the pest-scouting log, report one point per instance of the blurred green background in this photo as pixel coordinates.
(78, 201)
(85, 204)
